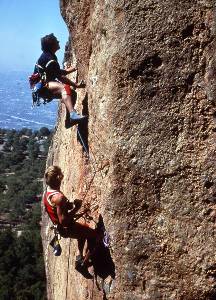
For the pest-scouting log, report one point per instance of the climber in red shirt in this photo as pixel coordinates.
(62, 212)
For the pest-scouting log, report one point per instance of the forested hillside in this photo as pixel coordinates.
(22, 162)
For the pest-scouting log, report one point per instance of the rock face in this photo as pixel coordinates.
(150, 72)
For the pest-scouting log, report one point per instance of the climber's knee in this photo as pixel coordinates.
(67, 90)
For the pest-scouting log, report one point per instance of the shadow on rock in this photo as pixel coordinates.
(82, 130)
(102, 261)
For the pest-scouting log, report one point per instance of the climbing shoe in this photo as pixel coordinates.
(75, 118)
(81, 268)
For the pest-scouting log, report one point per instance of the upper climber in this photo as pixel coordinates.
(63, 213)
(54, 83)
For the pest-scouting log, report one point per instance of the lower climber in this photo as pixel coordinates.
(63, 214)
(55, 84)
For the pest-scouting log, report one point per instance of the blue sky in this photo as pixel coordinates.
(22, 24)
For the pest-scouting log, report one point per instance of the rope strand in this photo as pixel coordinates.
(86, 150)
(93, 162)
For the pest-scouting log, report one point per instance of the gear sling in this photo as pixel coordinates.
(38, 83)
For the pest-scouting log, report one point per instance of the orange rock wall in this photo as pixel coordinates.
(150, 96)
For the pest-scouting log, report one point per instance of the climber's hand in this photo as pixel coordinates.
(81, 84)
(87, 207)
(68, 68)
(71, 69)
(77, 203)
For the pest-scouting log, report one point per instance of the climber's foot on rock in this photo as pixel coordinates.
(82, 268)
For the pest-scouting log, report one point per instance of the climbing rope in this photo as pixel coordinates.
(86, 150)
(83, 144)
(92, 161)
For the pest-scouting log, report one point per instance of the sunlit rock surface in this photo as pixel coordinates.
(150, 96)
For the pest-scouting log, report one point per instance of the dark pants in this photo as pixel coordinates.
(81, 233)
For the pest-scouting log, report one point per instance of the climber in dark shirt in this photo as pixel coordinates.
(53, 70)
(56, 84)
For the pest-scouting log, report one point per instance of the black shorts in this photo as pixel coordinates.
(77, 231)
(45, 94)
(65, 232)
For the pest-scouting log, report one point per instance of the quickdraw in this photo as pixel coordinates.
(55, 242)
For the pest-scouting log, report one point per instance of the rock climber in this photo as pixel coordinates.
(63, 213)
(55, 84)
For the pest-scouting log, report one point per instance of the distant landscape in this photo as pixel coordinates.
(22, 162)
(16, 109)
(25, 135)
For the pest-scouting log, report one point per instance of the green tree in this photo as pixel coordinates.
(26, 131)
(33, 149)
(22, 274)
(44, 131)
(2, 185)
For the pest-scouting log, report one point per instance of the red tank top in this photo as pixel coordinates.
(51, 207)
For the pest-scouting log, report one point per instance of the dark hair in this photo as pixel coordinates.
(47, 42)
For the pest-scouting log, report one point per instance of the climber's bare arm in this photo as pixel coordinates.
(69, 70)
(66, 80)
(61, 203)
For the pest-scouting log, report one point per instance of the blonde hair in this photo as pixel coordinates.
(53, 175)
